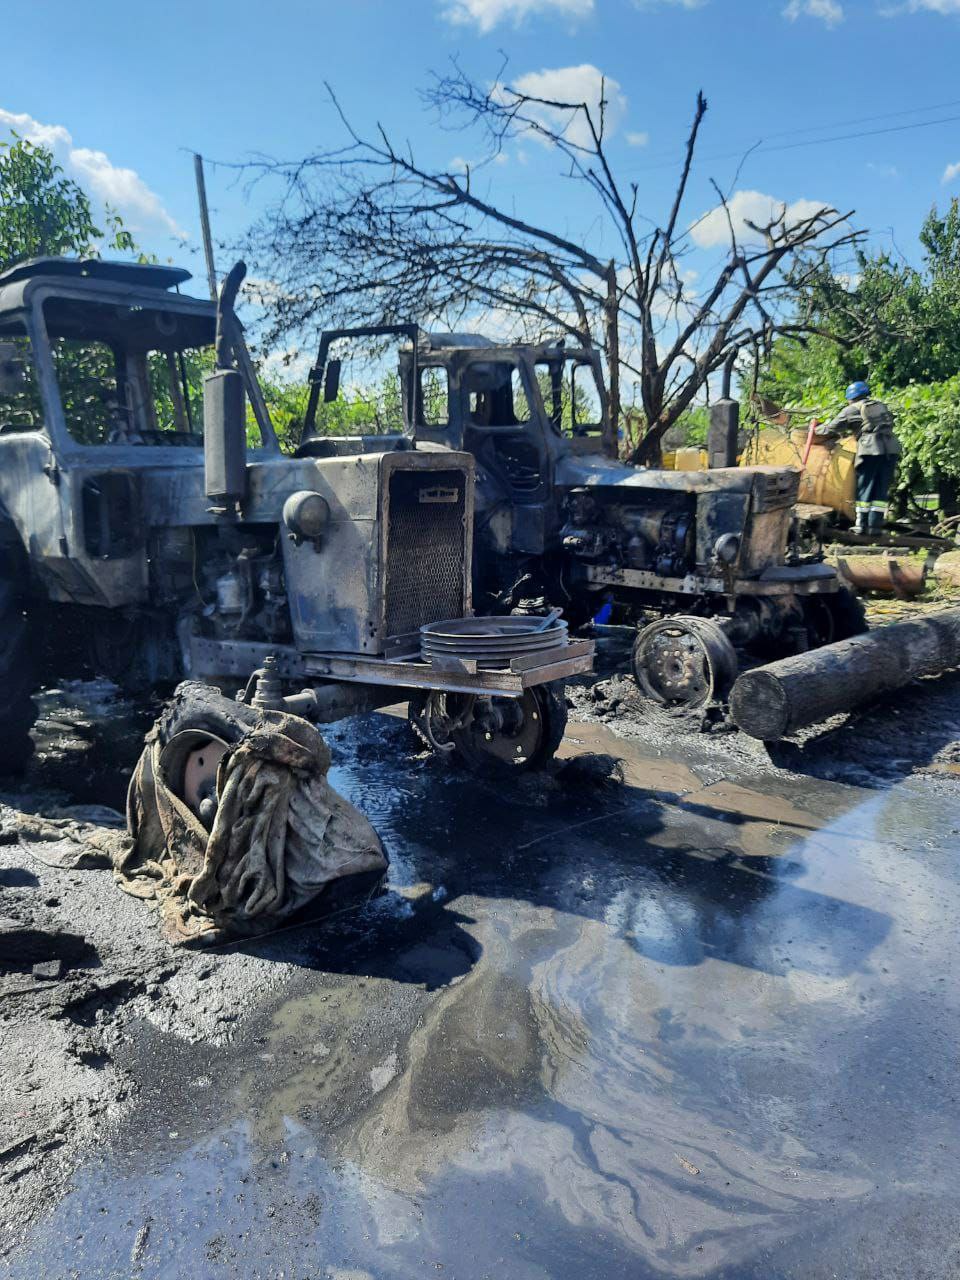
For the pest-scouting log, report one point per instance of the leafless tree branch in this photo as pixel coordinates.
(364, 232)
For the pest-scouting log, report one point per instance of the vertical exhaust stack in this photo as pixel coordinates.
(224, 411)
(724, 428)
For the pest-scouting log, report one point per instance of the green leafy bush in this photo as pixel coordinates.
(928, 427)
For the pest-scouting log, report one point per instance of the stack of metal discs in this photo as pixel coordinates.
(490, 642)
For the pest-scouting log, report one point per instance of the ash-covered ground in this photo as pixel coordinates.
(677, 1006)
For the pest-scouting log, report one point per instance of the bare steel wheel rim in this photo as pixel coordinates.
(508, 730)
(684, 662)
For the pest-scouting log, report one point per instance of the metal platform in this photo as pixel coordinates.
(455, 675)
(217, 658)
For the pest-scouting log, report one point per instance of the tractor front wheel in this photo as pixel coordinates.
(490, 734)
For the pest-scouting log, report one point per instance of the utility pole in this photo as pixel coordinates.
(205, 224)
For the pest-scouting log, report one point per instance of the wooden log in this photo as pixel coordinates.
(772, 701)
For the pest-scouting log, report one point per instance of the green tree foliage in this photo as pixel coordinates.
(179, 378)
(890, 321)
(928, 426)
(356, 411)
(43, 212)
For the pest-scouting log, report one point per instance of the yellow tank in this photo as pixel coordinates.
(828, 479)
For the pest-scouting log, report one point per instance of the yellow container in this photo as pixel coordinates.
(690, 459)
(828, 479)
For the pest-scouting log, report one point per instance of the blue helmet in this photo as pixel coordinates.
(857, 390)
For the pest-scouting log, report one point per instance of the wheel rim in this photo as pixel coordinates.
(508, 730)
(190, 760)
(684, 663)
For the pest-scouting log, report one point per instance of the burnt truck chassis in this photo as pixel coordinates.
(172, 552)
(703, 563)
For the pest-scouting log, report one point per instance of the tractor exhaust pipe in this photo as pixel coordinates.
(224, 411)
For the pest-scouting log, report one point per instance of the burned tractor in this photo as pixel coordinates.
(150, 517)
(703, 563)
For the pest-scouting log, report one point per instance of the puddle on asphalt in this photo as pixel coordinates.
(632, 1028)
(87, 738)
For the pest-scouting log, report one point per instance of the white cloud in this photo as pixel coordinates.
(460, 164)
(575, 85)
(487, 14)
(121, 188)
(745, 207)
(828, 11)
(52, 136)
(951, 172)
(638, 139)
(884, 170)
(682, 4)
(934, 6)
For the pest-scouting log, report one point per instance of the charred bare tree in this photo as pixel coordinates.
(366, 233)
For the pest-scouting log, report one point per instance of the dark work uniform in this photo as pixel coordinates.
(877, 451)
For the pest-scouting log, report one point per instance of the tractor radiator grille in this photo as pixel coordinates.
(426, 549)
(776, 489)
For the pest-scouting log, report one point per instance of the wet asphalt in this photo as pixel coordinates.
(683, 1022)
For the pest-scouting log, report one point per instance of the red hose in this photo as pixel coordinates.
(809, 445)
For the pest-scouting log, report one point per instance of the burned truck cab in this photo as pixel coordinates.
(702, 563)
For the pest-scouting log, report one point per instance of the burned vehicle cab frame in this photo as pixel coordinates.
(702, 562)
(149, 519)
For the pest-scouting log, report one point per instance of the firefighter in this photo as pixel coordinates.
(878, 448)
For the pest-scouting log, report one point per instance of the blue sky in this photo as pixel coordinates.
(123, 92)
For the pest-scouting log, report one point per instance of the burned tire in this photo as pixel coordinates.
(197, 726)
(834, 617)
(849, 615)
(18, 666)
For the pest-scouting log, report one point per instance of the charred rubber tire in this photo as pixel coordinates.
(196, 707)
(849, 615)
(834, 617)
(197, 716)
(18, 667)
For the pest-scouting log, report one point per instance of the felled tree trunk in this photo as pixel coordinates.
(772, 701)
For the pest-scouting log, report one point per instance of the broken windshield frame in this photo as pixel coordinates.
(561, 388)
(136, 369)
(568, 387)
